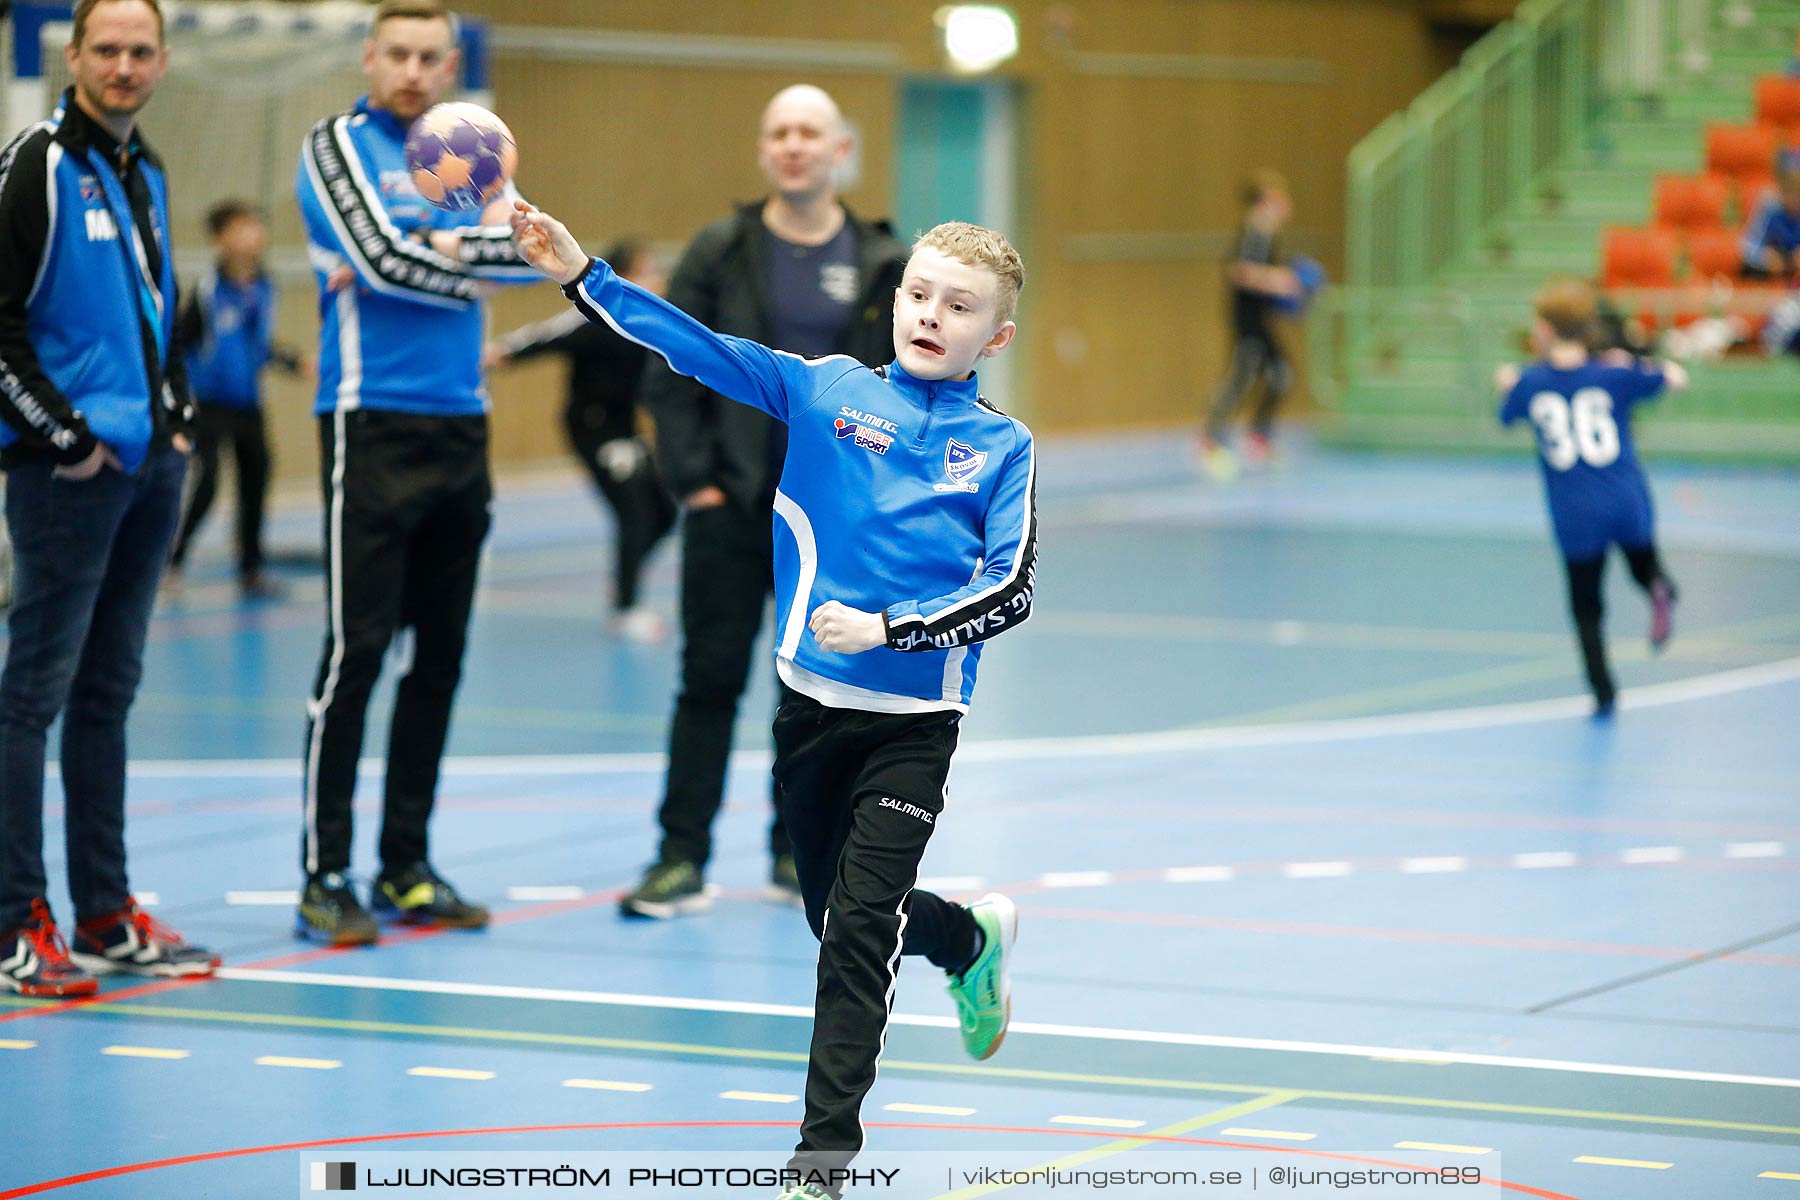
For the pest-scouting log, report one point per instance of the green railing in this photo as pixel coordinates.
(1429, 180)
(1506, 168)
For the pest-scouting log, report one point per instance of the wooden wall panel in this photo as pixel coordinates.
(1139, 119)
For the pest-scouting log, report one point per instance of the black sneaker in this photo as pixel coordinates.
(784, 882)
(417, 895)
(331, 913)
(669, 889)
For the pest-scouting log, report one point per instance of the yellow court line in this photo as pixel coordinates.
(1443, 1147)
(143, 1052)
(14, 1044)
(760, 1097)
(606, 1085)
(931, 1110)
(1778, 1175)
(448, 1073)
(1125, 1145)
(304, 1064)
(1597, 1161)
(973, 1070)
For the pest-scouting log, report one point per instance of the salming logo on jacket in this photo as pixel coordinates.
(908, 497)
(87, 306)
(407, 335)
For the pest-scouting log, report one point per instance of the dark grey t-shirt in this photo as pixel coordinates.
(812, 292)
(812, 296)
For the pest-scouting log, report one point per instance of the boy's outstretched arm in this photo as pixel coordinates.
(999, 597)
(738, 368)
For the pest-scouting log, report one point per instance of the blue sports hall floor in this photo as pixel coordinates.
(1319, 859)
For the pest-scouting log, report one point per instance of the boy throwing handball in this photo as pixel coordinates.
(905, 536)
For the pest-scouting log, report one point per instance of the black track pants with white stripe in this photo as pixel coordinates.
(860, 793)
(406, 509)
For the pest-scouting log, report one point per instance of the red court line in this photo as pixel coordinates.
(49, 1185)
(548, 908)
(1378, 933)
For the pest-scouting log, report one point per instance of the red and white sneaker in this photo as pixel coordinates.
(34, 960)
(133, 941)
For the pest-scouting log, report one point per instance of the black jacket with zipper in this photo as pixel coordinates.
(703, 439)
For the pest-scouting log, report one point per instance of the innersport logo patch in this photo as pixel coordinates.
(869, 439)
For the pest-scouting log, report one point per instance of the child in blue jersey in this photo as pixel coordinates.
(226, 328)
(1580, 409)
(905, 536)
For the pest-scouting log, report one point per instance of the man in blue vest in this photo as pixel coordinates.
(94, 410)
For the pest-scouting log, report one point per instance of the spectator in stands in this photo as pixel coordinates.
(1772, 238)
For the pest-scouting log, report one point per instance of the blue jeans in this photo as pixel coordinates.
(87, 557)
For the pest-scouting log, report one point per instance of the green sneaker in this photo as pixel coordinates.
(330, 913)
(982, 994)
(669, 889)
(806, 1191)
(420, 896)
(784, 882)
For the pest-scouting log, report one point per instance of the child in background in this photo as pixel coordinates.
(226, 328)
(1580, 409)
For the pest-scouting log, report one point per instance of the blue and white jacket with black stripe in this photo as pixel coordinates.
(87, 306)
(908, 497)
(407, 336)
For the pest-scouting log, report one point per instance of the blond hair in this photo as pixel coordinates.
(421, 10)
(1568, 307)
(981, 247)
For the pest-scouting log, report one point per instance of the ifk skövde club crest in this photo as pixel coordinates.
(962, 461)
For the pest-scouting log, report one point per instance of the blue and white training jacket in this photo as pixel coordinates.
(407, 337)
(913, 498)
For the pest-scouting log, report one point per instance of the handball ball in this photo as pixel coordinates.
(460, 156)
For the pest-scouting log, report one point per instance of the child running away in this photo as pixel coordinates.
(1580, 408)
(905, 536)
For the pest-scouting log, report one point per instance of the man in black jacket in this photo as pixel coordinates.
(797, 271)
(94, 423)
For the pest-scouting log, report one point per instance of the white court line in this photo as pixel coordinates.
(1652, 854)
(1316, 870)
(1431, 866)
(261, 898)
(1285, 1135)
(1075, 879)
(1545, 858)
(445, 988)
(1755, 850)
(1098, 1122)
(1656, 695)
(549, 892)
(1199, 874)
(606, 1085)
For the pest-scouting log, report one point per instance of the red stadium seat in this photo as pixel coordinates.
(1641, 258)
(1713, 253)
(1739, 150)
(1691, 202)
(1778, 101)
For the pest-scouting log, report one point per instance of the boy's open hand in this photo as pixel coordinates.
(546, 244)
(845, 630)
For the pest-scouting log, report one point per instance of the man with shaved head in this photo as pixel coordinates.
(797, 271)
